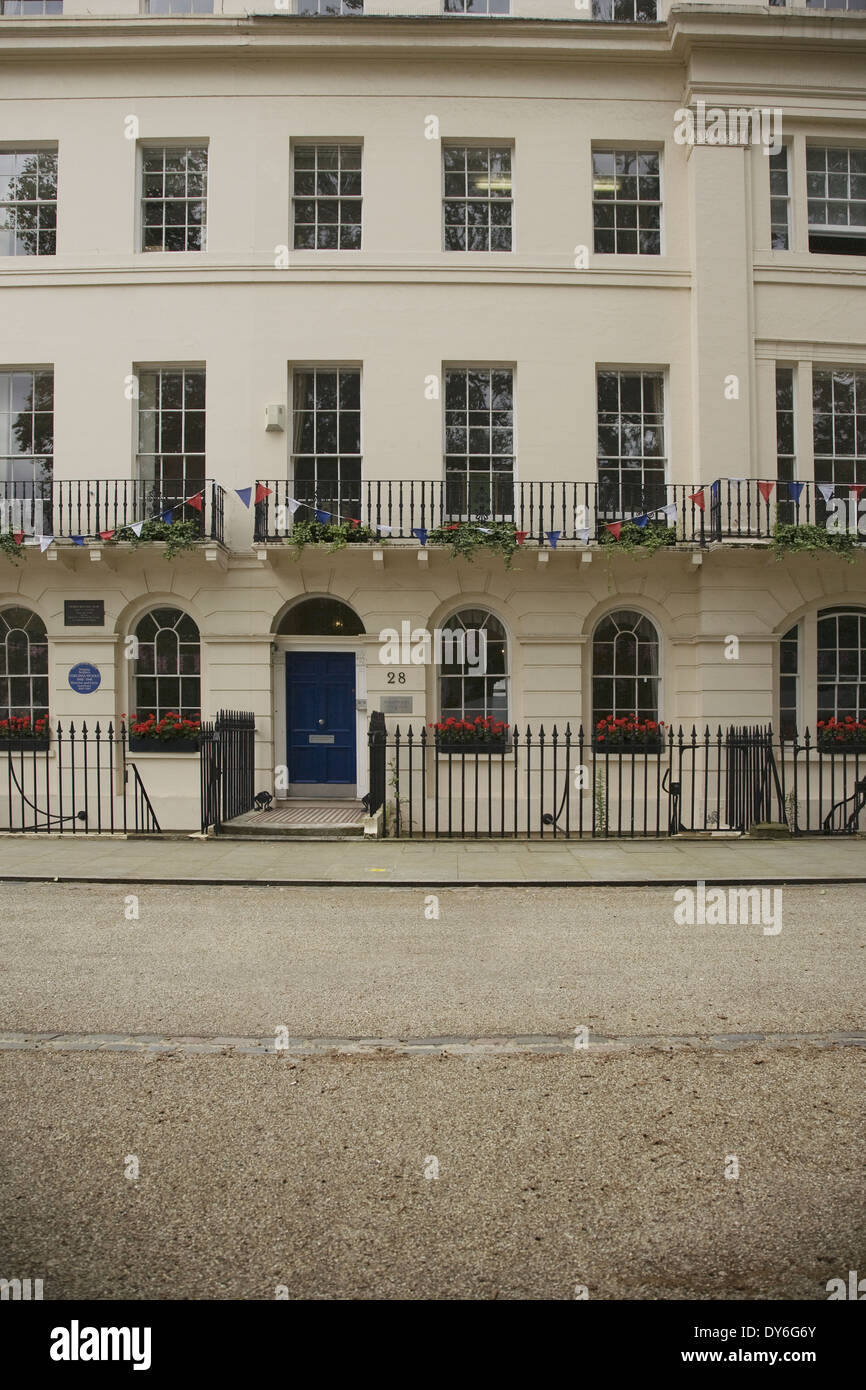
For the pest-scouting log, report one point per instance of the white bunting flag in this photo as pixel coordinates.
(135, 528)
(583, 535)
(826, 490)
(44, 542)
(670, 509)
(293, 505)
(384, 530)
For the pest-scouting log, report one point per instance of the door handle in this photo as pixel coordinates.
(321, 723)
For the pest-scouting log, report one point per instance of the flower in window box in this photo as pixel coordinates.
(627, 731)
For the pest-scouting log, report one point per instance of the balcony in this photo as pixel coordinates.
(91, 509)
(730, 509)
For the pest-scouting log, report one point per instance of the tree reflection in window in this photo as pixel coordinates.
(168, 667)
(23, 665)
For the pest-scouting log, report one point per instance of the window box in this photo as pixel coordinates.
(23, 745)
(656, 745)
(487, 745)
(142, 743)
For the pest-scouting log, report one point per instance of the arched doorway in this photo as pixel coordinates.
(320, 689)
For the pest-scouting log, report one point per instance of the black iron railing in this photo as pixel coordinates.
(227, 768)
(87, 508)
(541, 783)
(77, 781)
(691, 513)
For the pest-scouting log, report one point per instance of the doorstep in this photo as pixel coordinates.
(287, 820)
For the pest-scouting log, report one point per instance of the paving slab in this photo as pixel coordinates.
(806, 860)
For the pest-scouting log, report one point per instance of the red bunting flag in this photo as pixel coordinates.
(614, 527)
(17, 537)
(196, 501)
(520, 536)
(698, 499)
(856, 488)
(105, 535)
(455, 526)
(353, 521)
(262, 492)
(765, 489)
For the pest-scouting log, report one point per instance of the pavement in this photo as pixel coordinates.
(91, 859)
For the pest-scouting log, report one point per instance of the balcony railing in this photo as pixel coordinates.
(694, 514)
(86, 508)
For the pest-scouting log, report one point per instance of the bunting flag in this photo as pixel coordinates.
(384, 530)
(77, 540)
(714, 490)
(670, 510)
(196, 501)
(698, 499)
(582, 535)
(18, 537)
(323, 517)
(293, 505)
(640, 521)
(421, 533)
(485, 530)
(135, 528)
(553, 537)
(167, 515)
(766, 490)
(353, 521)
(520, 536)
(455, 526)
(794, 490)
(44, 542)
(105, 535)
(262, 492)
(245, 494)
(614, 527)
(856, 488)
(826, 490)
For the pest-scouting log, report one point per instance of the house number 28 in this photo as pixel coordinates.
(396, 678)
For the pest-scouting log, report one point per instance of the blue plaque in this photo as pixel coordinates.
(84, 678)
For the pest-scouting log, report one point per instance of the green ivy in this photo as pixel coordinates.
(335, 534)
(177, 535)
(10, 547)
(644, 539)
(811, 540)
(468, 538)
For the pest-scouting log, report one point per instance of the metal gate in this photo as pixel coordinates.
(227, 768)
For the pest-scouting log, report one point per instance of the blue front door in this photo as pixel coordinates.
(320, 700)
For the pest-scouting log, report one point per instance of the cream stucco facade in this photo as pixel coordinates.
(100, 84)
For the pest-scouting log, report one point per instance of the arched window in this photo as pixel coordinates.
(321, 617)
(625, 667)
(474, 670)
(842, 663)
(168, 668)
(23, 665)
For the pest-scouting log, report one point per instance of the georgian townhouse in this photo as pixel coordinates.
(328, 319)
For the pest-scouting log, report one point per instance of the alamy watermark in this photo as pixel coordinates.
(734, 907)
(738, 125)
(419, 647)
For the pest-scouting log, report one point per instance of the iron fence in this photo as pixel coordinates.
(65, 507)
(570, 785)
(77, 781)
(227, 768)
(685, 513)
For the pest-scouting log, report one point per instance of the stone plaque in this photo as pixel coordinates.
(396, 704)
(84, 612)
